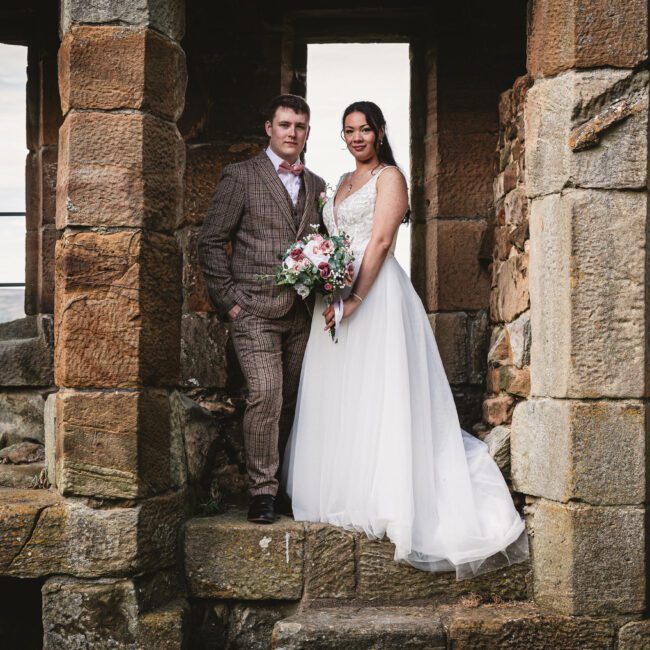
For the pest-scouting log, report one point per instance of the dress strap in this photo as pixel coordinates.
(378, 174)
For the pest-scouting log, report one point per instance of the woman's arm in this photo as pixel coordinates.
(390, 208)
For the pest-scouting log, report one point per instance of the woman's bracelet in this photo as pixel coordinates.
(357, 296)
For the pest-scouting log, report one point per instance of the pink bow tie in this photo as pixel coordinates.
(295, 169)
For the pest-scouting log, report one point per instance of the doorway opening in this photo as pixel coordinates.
(341, 73)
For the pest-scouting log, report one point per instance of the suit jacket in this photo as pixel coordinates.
(251, 209)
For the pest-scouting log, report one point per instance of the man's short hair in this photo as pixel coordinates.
(294, 102)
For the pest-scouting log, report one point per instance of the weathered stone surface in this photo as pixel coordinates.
(379, 628)
(587, 283)
(450, 277)
(500, 353)
(203, 351)
(115, 327)
(21, 417)
(479, 339)
(519, 339)
(555, 106)
(515, 381)
(329, 562)
(49, 418)
(516, 207)
(498, 442)
(23, 453)
(113, 445)
(250, 626)
(22, 477)
(381, 578)
(518, 626)
(195, 290)
(585, 451)
(26, 348)
(450, 331)
(205, 163)
(227, 557)
(197, 430)
(571, 34)
(164, 628)
(589, 560)
(79, 615)
(119, 169)
(166, 16)
(634, 636)
(510, 297)
(498, 410)
(109, 67)
(46, 535)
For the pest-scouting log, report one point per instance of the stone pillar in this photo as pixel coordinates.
(122, 80)
(579, 444)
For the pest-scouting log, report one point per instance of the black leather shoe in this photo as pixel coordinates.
(283, 504)
(261, 509)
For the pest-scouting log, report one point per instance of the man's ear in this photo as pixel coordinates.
(267, 128)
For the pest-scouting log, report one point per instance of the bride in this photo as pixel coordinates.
(376, 444)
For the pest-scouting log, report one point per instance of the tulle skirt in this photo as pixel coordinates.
(377, 447)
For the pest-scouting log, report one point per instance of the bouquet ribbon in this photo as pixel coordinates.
(338, 317)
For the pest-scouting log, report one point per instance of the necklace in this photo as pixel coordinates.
(372, 173)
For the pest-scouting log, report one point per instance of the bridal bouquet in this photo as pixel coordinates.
(320, 263)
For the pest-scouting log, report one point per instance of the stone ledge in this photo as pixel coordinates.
(228, 558)
(26, 352)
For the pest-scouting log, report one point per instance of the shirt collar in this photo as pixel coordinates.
(275, 159)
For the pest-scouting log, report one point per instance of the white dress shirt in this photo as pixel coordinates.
(290, 181)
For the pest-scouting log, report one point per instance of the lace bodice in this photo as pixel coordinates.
(354, 215)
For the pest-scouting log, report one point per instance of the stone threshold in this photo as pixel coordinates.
(228, 558)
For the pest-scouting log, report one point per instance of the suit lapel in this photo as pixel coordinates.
(277, 189)
(308, 180)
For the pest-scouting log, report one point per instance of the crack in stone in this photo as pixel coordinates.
(28, 537)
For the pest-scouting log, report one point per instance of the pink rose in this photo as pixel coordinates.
(328, 287)
(296, 254)
(325, 270)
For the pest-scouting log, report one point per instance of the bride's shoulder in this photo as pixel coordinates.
(390, 175)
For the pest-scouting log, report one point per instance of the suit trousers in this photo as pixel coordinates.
(270, 352)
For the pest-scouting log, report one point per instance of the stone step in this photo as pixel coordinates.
(512, 626)
(21, 476)
(227, 557)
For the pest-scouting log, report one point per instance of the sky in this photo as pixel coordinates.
(340, 74)
(337, 75)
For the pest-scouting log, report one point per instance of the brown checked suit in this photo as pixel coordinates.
(252, 210)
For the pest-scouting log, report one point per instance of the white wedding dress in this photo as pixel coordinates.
(376, 445)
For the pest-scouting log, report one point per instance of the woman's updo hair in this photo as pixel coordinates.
(376, 122)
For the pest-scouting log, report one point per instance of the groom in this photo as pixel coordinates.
(260, 206)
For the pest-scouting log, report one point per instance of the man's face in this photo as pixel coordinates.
(287, 133)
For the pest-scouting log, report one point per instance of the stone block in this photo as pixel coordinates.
(554, 107)
(21, 417)
(195, 290)
(498, 410)
(205, 163)
(516, 207)
(568, 450)
(498, 442)
(204, 360)
(23, 453)
(26, 350)
(588, 560)
(451, 277)
(587, 284)
(72, 538)
(510, 296)
(118, 303)
(166, 16)
(22, 477)
(450, 331)
(515, 381)
(49, 421)
(111, 67)
(113, 445)
(522, 625)
(196, 429)
(49, 235)
(571, 34)
(329, 562)
(119, 169)
(479, 339)
(519, 339)
(418, 628)
(634, 636)
(250, 625)
(500, 352)
(227, 557)
(165, 628)
(381, 578)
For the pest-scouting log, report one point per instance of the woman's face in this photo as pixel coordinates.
(359, 137)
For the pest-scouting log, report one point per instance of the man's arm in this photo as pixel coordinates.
(221, 222)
